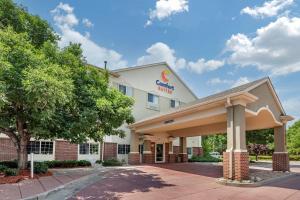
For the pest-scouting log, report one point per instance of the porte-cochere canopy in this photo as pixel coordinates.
(252, 106)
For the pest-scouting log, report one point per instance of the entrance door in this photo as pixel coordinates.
(159, 153)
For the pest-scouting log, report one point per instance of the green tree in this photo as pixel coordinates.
(214, 143)
(293, 138)
(47, 92)
(17, 17)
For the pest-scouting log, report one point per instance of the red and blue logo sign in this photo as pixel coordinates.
(164, 84)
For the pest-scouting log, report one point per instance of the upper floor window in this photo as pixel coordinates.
(153, 101)
(174, 103)
(123, 148)
(40, 147)
(89, 149)
(126, 90)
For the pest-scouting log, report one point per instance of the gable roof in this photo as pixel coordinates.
(242, 89)
(154, 65)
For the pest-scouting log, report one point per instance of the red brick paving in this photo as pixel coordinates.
(182, 181)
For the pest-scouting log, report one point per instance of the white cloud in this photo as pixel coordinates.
(161, 52)
(216, 81)
(240, 81)
(291, 106)
(275, 47)
(205, 66)
(166, 8)
(268, 9)
(95, 54)
(86, 22)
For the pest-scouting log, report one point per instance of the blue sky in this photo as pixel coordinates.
(213, 45)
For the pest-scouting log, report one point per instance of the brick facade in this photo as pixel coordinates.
(8, 150)
(183, 157)
(281, 162)
(110, 150)
(197, 151)
(64, 150)
(172, 158)
(134, 158)
(240, 164)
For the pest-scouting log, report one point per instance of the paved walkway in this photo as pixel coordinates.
(31, 187)
(182, 181)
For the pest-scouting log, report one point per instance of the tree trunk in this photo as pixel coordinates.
(22, 154)
(256, 157)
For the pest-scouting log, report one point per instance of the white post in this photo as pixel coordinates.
(31, 165)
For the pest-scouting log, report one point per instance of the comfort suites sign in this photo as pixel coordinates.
(163, 84)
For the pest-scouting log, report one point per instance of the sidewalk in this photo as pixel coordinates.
(31, 187)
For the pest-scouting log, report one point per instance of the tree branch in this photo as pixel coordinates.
(10, 133)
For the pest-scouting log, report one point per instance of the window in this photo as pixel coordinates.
(125, 90)
(123, 148)
(174, 103)
(189, 151)
(153, 101)
(94, 149)
(89, 149)
(46, 147)
(40, 147)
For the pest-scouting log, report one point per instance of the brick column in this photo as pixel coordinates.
(134, 155)
(172, 156)
(235, 159)
(65, 150)
(182, 149)
(280, 156)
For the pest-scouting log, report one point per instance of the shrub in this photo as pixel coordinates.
(98, 161)
(10, 164)
(205, 158)
(10, 172)
(294, 157)
(68, 163)
(2, 168)
(111, 162)
(40, 168)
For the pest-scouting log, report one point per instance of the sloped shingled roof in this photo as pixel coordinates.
(238, 89)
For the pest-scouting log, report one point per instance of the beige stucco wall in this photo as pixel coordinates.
(142, 81)
(265, 99)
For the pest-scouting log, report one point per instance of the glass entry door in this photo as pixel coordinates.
(159, 153)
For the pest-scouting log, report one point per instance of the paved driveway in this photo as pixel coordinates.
(181, 181)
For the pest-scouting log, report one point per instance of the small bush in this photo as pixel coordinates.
(98, 161)
(10, 172)
(205, 158)
(68, 163)
(10, 164)
(111, 162)
(2, 168)
(40, 168)
(294, 157)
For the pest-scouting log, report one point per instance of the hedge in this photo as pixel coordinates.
(68, 163)
(205, 158)
(10, 164)
(111, 162)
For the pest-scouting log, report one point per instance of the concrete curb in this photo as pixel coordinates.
(91, 178)
(254, 184)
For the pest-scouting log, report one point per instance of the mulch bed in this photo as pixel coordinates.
(23, 175)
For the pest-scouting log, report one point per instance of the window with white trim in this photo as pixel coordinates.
(89, 149)
(126, 90)
(123, 148)
(174, 103)
(153, 101)
(40, 147)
